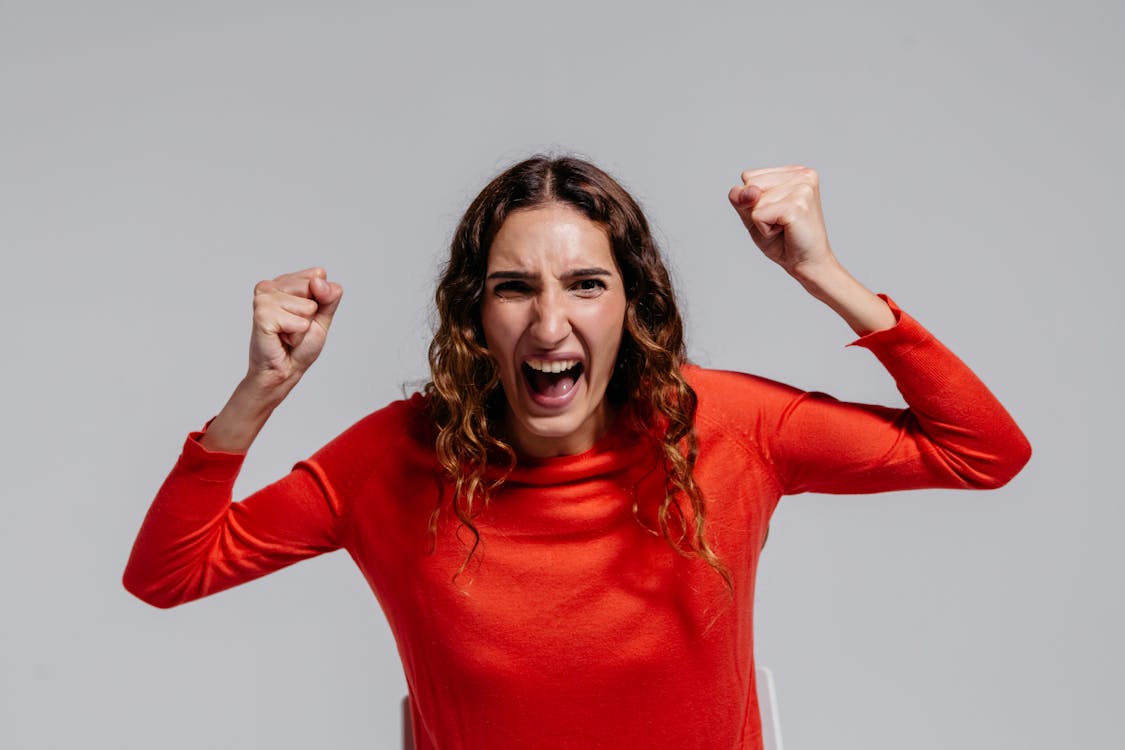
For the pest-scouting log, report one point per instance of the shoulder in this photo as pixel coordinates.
(725, 395)
(738, 416)
(403, 417)
(396, 433)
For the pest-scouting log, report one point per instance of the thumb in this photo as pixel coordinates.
(327, 295)
(744, 198)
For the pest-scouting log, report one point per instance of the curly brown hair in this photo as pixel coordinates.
(464, 393)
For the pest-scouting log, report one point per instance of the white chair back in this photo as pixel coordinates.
(767, 706)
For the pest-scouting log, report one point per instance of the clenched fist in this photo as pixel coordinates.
(292, 314)
(780, 206)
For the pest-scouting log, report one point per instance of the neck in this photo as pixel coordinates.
(535, 445)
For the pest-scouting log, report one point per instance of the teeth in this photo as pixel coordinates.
(557, 365)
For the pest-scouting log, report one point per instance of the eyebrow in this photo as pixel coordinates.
(525, 275)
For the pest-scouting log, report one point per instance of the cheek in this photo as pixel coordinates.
(500, 332)
(605, 332)
(489, 323)
(616, 314)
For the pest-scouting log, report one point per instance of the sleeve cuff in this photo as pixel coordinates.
(906, 332)
(208, 465)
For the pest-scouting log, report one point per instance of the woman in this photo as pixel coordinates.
(563, 529)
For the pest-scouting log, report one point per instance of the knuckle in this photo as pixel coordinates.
(263, 303)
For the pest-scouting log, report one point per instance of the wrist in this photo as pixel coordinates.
(829, 282)
(822, 278)
(243, 416)
(264, 391)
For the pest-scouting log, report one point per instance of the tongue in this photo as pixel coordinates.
(553, 384)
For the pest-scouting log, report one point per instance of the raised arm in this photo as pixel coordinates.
(954, 433)
(194, 541)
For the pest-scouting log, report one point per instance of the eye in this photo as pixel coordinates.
(589, 287)
(511, 289)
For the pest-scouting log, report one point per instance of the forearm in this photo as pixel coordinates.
(954, 434)
(831, 283)
(234, 428)
(953, 412)
(195, 542)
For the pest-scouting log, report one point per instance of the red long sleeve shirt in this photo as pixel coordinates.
(576, 626)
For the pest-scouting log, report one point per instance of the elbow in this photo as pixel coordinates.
(147, 592)
(1004, 464)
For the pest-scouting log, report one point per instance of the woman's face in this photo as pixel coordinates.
(553, 313)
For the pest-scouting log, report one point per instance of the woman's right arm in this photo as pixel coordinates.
(194, 541)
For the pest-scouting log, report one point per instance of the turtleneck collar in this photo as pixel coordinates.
(622, 453)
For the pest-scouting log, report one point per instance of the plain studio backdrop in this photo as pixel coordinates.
(158, 159)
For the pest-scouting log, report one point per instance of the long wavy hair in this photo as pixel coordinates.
(464, 394)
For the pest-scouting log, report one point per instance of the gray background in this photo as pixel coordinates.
(159, 158)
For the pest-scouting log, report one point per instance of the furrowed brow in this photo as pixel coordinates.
(577, 273)
(518, 275)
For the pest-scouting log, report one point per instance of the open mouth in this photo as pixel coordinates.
(552, 379)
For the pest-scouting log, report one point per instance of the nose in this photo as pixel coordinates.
(550, 324)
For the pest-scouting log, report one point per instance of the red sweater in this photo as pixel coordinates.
(576, 627)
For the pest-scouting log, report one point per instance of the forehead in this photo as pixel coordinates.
(555, 235)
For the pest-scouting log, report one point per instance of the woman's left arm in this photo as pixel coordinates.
(955, 432)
